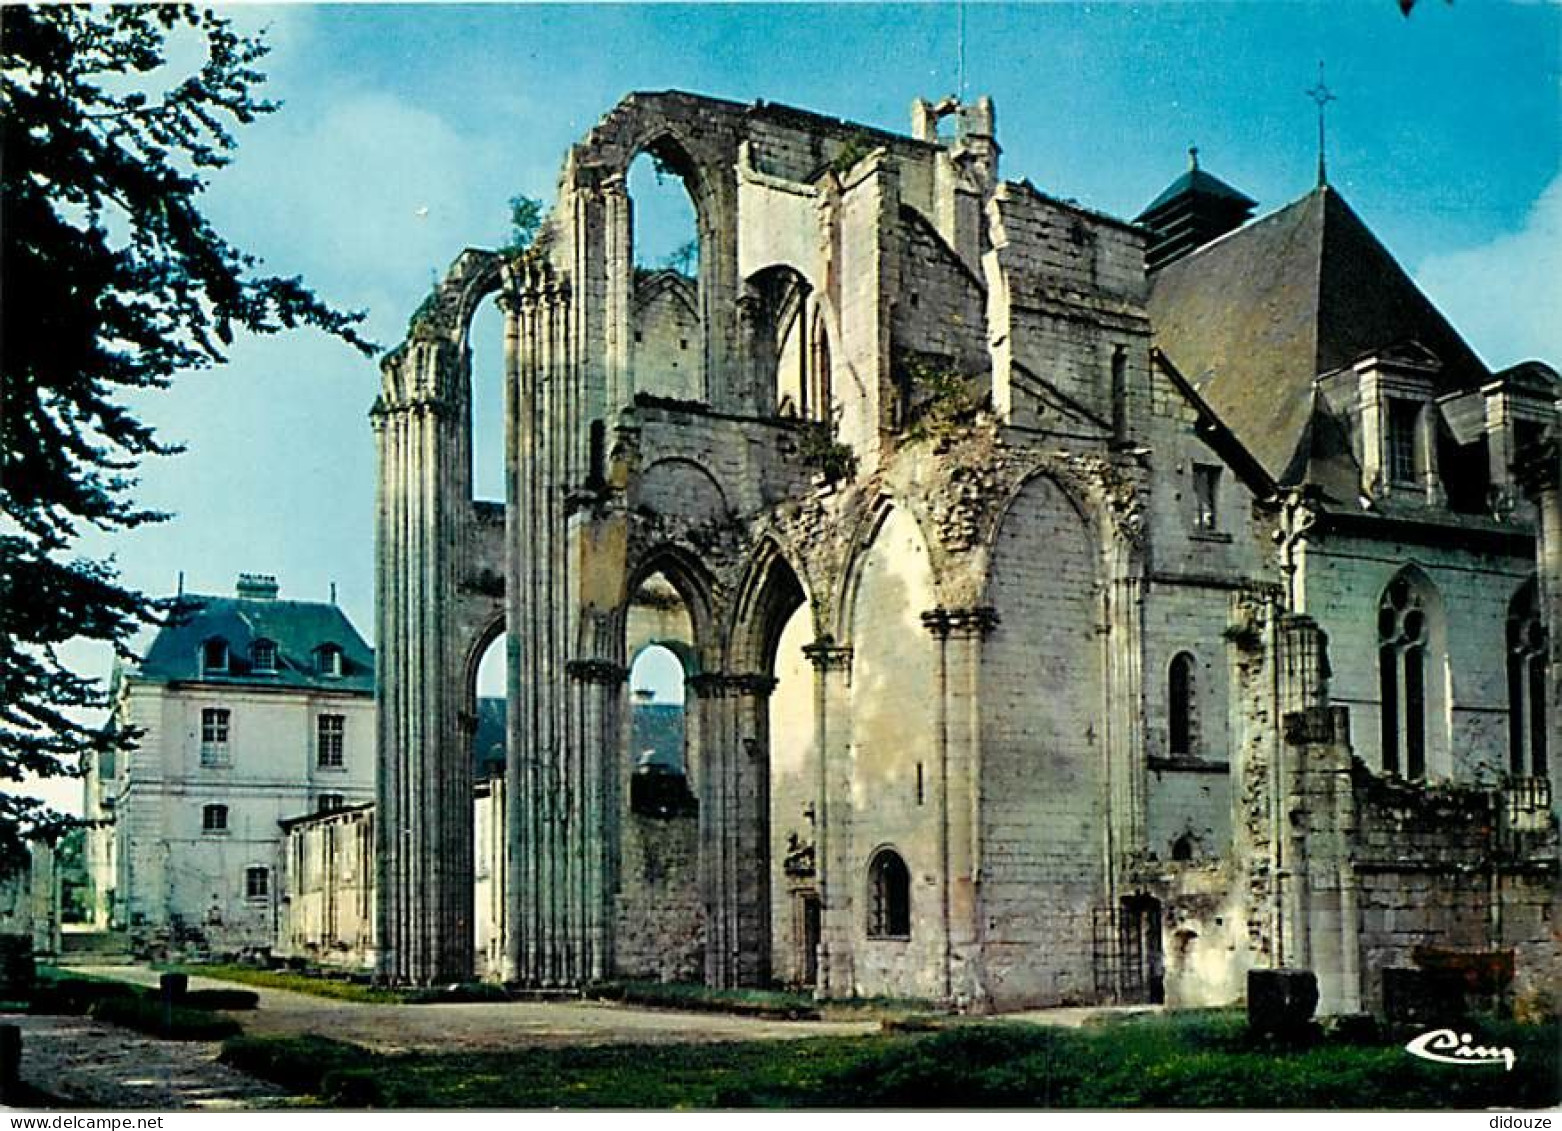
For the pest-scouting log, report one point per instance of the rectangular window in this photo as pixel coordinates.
(332, 731)
(214, 736)
(257, 883)
(214, 819)
(1403, 417)
(1206, 497)
(331, 802)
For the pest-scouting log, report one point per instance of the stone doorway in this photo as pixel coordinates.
(810, 931)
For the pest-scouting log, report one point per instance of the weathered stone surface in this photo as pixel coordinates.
(963, 574)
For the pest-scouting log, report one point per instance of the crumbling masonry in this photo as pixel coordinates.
(1003, 622)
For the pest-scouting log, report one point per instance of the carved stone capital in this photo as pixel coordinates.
(721, 685)
(977, 621)
(596, 671)
(828, 656)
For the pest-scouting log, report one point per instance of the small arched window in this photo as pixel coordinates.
(263, 655)
(1528, 668)
(889, 896)
(214, 656)
(819, 391)
(1182, 706)
(1119, 393)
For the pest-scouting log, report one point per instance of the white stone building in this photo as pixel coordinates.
(249, 710)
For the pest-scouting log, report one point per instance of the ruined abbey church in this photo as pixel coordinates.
(1070, 609)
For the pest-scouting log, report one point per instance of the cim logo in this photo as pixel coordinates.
(1448, 1047)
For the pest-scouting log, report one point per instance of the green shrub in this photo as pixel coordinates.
(148, 1015)
(75, 996)
(220, 1000)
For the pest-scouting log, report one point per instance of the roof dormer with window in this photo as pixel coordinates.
(1397, 440)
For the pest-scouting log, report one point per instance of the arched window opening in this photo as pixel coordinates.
(485, 343)
(657, 693)
(263, 656)
(1119, 393)
(1528, 671)
(1403, 639)
(668, 333)
(489, 710)
(1182, 706)
(214, 656)
(659, 640)
(785, 337)
(820, 391)
(889, 896)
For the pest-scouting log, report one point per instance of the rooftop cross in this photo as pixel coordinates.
(1321, 95)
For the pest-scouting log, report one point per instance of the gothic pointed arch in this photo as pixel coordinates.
(1528, 664)
(1412, 675)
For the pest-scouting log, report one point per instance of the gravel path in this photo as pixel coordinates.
(492, 1025)
(104, 1067)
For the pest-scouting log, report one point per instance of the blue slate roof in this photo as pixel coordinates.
(300, 630)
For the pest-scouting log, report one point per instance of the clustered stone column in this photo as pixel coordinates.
(960, 634)
(734, 819)
(563, 707)
(832, 664)
(424, 831)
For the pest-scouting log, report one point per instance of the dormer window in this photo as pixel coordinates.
(214, 656)
(263, 655)
(1403, 419)
(329, 660)
(1206, 498)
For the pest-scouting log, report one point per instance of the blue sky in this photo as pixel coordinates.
(406, 128)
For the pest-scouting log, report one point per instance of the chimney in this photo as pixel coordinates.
(257, 587)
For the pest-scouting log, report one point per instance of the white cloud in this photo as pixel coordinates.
(1505, 296)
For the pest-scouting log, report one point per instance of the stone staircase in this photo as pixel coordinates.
(94, 948)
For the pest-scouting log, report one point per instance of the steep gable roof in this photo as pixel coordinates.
(1255, 316)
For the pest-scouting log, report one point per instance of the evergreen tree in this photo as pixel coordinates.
(112, 281)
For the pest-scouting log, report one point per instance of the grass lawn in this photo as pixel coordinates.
(1190, 1060)
(341, 990)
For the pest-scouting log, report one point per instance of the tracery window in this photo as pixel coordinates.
(1403, 636)
(1528, 664)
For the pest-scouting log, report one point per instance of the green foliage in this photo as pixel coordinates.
(1197, 1060)
(940, 400)
(338, 988)
(858, 146)
(819, 448)
(221, 1001)
(525, 220)
(684, 259)
(681, 995)
(149, 1015)
(113, 282)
